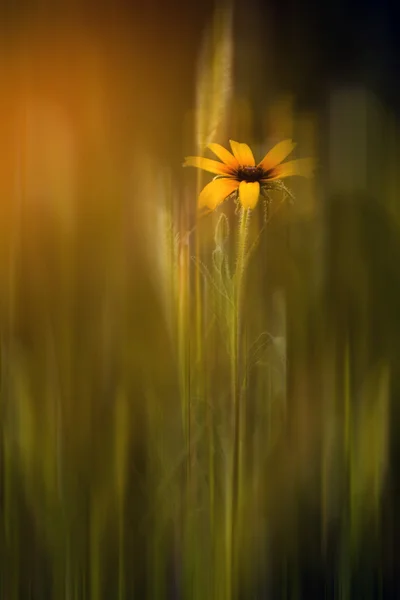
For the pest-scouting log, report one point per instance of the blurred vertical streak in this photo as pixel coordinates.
(213, 104)
(254, 56)
(392, 136)
(348, 140)
(88, 92)
(214, 77)
(357, 149)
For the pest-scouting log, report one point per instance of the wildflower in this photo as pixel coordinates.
(239, 175)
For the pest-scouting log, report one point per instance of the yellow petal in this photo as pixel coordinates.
(243, 154)
(303, 167)
(207, 164)
(224, 155)
(277, 154)
(249, 194)
(216, 191)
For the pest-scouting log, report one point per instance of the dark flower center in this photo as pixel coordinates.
(250, 174)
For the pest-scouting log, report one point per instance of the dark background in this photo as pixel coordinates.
(329, 43)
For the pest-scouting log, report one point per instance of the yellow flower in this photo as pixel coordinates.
(239, 173)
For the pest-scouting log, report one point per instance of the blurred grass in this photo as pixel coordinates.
(119, 366)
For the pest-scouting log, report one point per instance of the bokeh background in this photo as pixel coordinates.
(115, 379)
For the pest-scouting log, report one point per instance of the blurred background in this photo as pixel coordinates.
(115, 378)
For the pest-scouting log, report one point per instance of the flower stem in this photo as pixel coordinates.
(237, 391)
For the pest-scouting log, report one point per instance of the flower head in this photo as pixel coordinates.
(239, 174)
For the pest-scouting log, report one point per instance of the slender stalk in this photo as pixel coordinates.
(237, 392)
(184, 348)
(345, 567)
(186, 402)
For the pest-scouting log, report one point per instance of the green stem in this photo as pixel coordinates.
(237, 387)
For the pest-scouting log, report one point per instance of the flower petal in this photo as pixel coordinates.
(224, 155)
(277, 154)
(304, 167)
(216, 191)
(249, 194)
(243, 154)
(213, 166)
